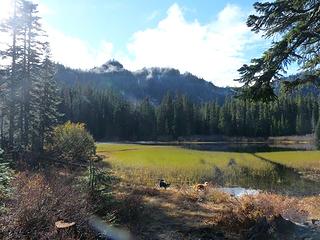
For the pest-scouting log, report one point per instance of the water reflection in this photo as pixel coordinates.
(248, 147)
(239, 191)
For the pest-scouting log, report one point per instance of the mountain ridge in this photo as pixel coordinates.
(152, 83)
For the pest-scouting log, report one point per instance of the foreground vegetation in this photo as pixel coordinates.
(52, 176)
(189, 214)
(184, 213)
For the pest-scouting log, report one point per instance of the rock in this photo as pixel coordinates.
(282, 225)
(260, 230)
(62, 225)
(281, 228)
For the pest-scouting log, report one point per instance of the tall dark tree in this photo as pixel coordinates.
(13, 28)
(296, 25)
(29, 93)
(45, 101)
(146, 120)
(317, 133)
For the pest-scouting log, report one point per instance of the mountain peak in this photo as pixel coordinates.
(110, 66)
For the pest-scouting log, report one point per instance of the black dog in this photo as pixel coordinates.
(163, 184)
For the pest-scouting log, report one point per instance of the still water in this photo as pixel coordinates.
(248, 147)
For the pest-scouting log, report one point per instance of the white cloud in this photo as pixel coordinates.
(69, 50)
(213, 51)
(76, 53)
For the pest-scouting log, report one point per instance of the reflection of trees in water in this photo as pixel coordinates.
(249, 147)
(279, 178)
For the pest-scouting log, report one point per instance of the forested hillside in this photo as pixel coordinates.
(152, 83)
(110, 116)
(156, 103)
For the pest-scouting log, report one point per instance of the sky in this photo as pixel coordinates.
(208, 38)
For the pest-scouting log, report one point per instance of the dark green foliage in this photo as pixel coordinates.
(29, 96)
(45, 101)
(6, 175)
(110, 117)
(317, 132)
(296, 25)
(146, 119)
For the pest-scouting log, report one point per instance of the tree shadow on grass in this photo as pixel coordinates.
(151, 213)
(287, 180)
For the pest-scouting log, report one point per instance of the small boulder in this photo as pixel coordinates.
(63, 225)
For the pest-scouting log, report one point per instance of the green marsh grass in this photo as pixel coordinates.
(147, 164)
(300, 160)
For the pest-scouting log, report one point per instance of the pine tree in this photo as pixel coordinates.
(44, 103)
(317, 133)
(147, 120)
(179, 128)
(26, 82)
(12, 27)
(296, 25)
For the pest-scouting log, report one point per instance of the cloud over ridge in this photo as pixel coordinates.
(213, 51)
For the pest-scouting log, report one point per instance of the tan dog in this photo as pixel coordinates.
(201, 187)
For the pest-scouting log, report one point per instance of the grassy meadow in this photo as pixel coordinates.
(146, 164)
(300, 160)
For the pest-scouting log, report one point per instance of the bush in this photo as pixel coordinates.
(38, 202)
(5, 178)
(72, 142)
(245, 212)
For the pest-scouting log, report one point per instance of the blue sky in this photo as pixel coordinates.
(208, 38)
(117, 20)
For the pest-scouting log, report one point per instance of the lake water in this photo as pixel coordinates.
(239, 191)
(248, 147)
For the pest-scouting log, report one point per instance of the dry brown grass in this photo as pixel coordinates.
(241, 214)
(184, 210)
(38, 202)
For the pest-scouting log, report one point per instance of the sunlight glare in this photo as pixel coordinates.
(6, 9)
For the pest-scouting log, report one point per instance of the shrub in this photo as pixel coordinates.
(5, 178)
(38, 202)
(244, 213)
(72, 142)
(131, 209)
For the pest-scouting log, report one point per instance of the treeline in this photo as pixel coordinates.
(108, 116)
(29, 96)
